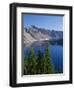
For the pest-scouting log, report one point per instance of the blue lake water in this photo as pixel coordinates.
(56, 52)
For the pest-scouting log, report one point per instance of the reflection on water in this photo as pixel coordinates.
(56, 52)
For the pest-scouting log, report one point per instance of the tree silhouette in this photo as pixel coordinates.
(48, 66)
(32, 62)
(39, 62)
(25, 65)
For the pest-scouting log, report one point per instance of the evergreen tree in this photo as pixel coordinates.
(48, 66)
(39, 62)
(25, 65)
(32, 62)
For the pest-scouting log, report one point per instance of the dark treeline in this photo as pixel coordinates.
(38, 64)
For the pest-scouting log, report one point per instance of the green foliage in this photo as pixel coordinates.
(33, 62)
(48, 67)
(25, 65)
(40, 64)
(31, 67)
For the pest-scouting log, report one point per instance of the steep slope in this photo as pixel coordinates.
(34, 33)
(28, 38)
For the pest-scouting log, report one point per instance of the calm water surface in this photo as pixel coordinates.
(55, 48)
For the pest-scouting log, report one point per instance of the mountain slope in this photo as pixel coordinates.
(38, 34)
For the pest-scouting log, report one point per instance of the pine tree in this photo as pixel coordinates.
(25, 65)
(32, 62)
(39, 62)
(48, 66)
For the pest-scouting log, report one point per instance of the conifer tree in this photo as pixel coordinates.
(39, 62)
(32, 62)
(25, 65)
(48, 66)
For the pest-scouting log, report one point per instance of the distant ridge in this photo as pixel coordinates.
(34, 33)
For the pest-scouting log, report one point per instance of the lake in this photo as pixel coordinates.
(55, 48)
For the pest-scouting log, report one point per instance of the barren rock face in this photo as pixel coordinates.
(38, 34)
